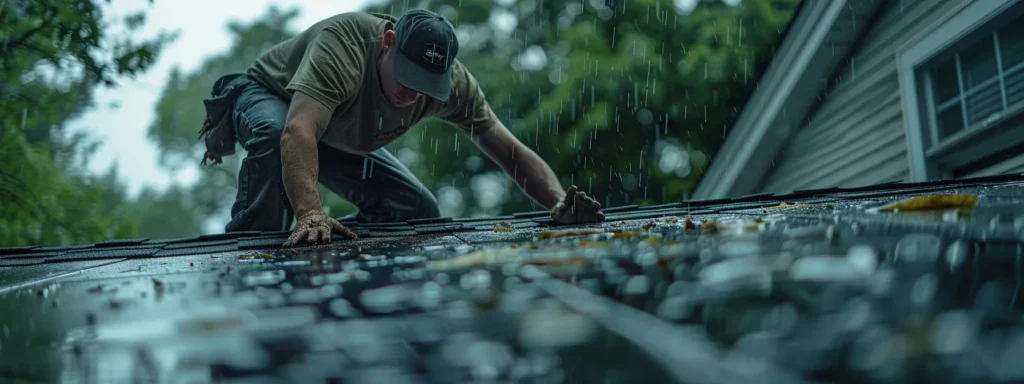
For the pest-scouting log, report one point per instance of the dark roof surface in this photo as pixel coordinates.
(764, 288)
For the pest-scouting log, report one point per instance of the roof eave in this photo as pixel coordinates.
(804, 62)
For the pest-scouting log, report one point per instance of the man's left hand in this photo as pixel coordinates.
(577, 208)
(316, 226)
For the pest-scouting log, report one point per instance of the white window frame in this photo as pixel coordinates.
(935, 39)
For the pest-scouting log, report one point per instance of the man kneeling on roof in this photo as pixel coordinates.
(322, 105)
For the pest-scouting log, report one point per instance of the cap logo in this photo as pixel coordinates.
(434, 53)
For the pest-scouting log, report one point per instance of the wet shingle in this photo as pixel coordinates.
(16, 250)
(20, 262)
(429, 221)
(261, 242)
(197, 248)
(104, 253)
(114, 243)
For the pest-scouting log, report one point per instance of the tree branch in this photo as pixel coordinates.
(21, 40)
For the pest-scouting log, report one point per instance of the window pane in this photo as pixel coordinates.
(1015, 86)
(983, 102)
(1011, 43)
(950, 121)
(978, 63)
(946, 86)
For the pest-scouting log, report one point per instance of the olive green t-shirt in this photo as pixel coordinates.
(335, 63)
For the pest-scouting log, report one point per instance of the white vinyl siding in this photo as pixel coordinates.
(856, 135)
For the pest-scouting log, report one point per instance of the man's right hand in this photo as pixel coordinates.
(314, 226)
(577, 208)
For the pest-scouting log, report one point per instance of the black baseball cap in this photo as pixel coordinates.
(426, 50)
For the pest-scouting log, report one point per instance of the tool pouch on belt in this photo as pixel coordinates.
(218, 130)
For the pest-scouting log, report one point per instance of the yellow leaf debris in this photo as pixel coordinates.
(922, 203)
(265, 256)
(503, 226)
(784, 205)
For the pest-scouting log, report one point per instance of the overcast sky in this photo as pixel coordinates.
(201, 24)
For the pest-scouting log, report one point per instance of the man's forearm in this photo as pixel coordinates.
(535, 177)
(299, 171)
(532, 174)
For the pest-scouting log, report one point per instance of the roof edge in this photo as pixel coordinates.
(805, 36)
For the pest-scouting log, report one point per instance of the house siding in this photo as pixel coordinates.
(856, 135)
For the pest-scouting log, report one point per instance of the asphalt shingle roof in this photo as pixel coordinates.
(767, 287)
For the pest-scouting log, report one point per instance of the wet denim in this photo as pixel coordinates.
(379, 185)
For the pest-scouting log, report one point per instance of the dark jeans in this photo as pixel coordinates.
(377, 183)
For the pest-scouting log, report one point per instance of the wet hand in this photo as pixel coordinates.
(577, 208)
(316, 226)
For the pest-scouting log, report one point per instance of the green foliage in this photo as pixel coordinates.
(68, 40)
(53, 53)
(167, 214)
(43, 205)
